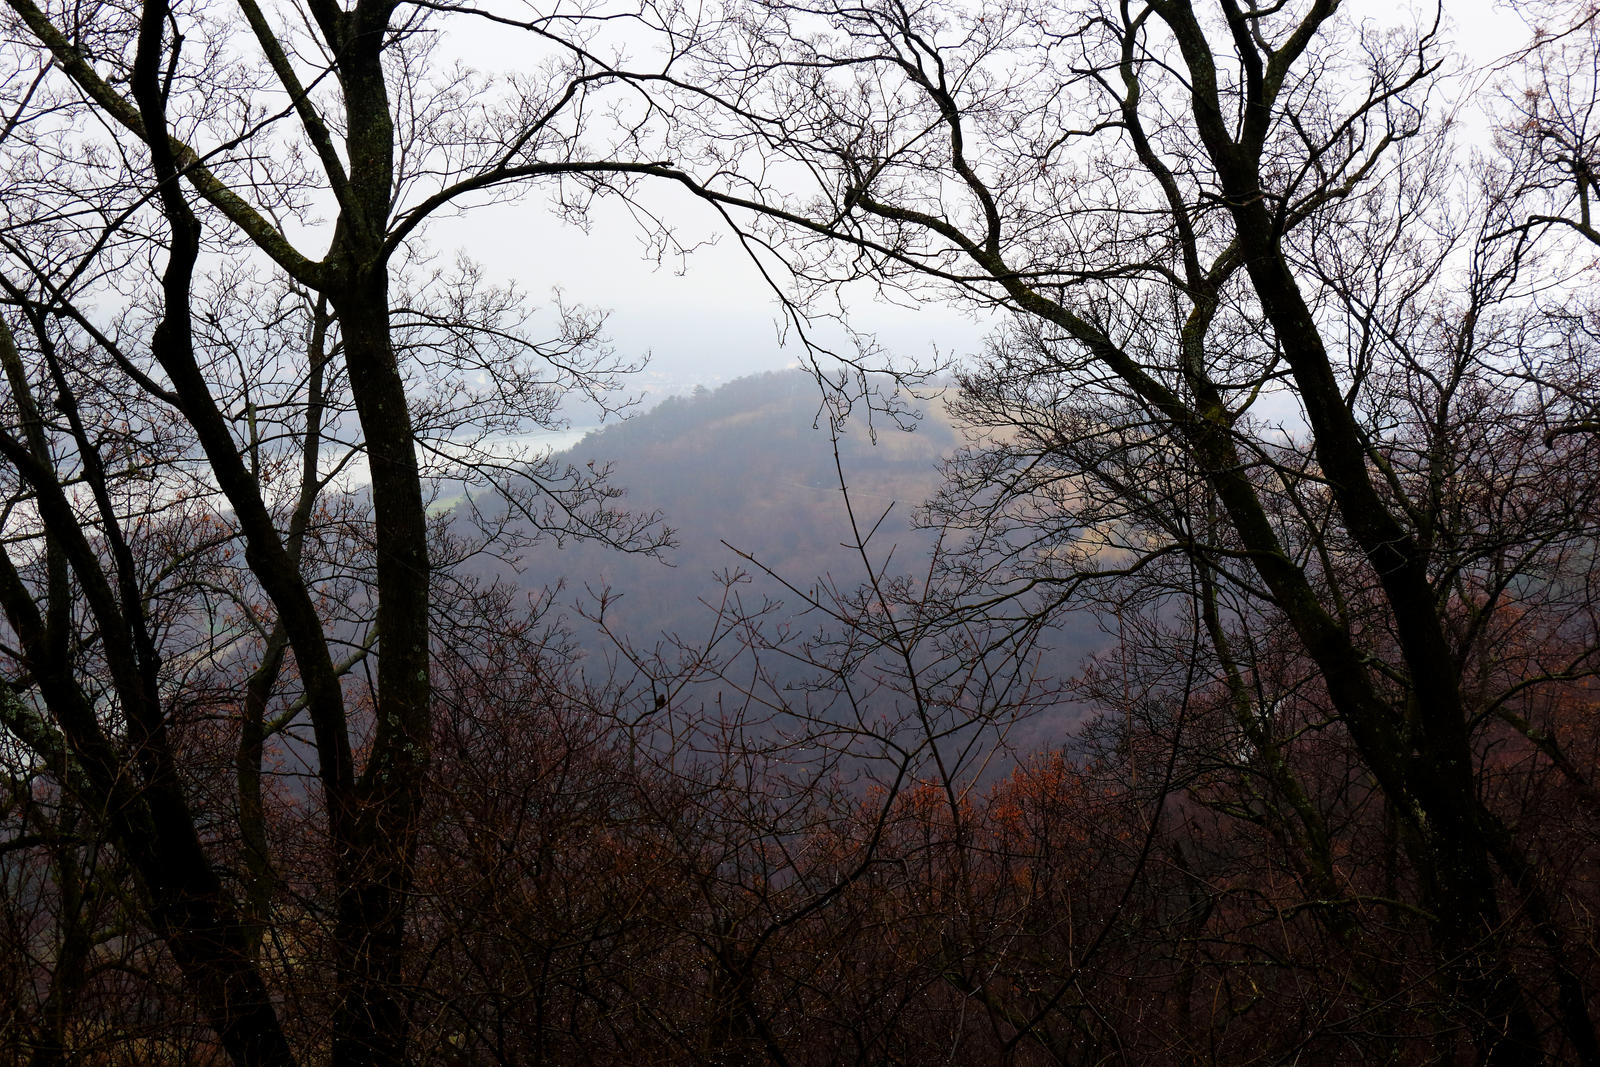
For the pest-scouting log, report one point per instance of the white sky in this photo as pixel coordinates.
(717, 320)
(707, 319)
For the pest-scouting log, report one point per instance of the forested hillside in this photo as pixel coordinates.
(747, 478)
(749, 464)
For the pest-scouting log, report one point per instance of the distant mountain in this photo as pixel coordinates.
(751, 464)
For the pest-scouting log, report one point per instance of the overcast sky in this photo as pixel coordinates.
(706, 319)
(717, 320)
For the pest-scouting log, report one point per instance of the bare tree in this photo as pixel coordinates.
(1243, 285)
(1549, 145)
(170, 165)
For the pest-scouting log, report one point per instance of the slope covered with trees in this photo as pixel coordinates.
(748, 465)
(750, 479)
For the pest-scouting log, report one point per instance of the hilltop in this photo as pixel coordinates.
(748, 465)
(751, 465)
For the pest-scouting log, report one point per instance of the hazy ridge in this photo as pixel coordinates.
(750, 465)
